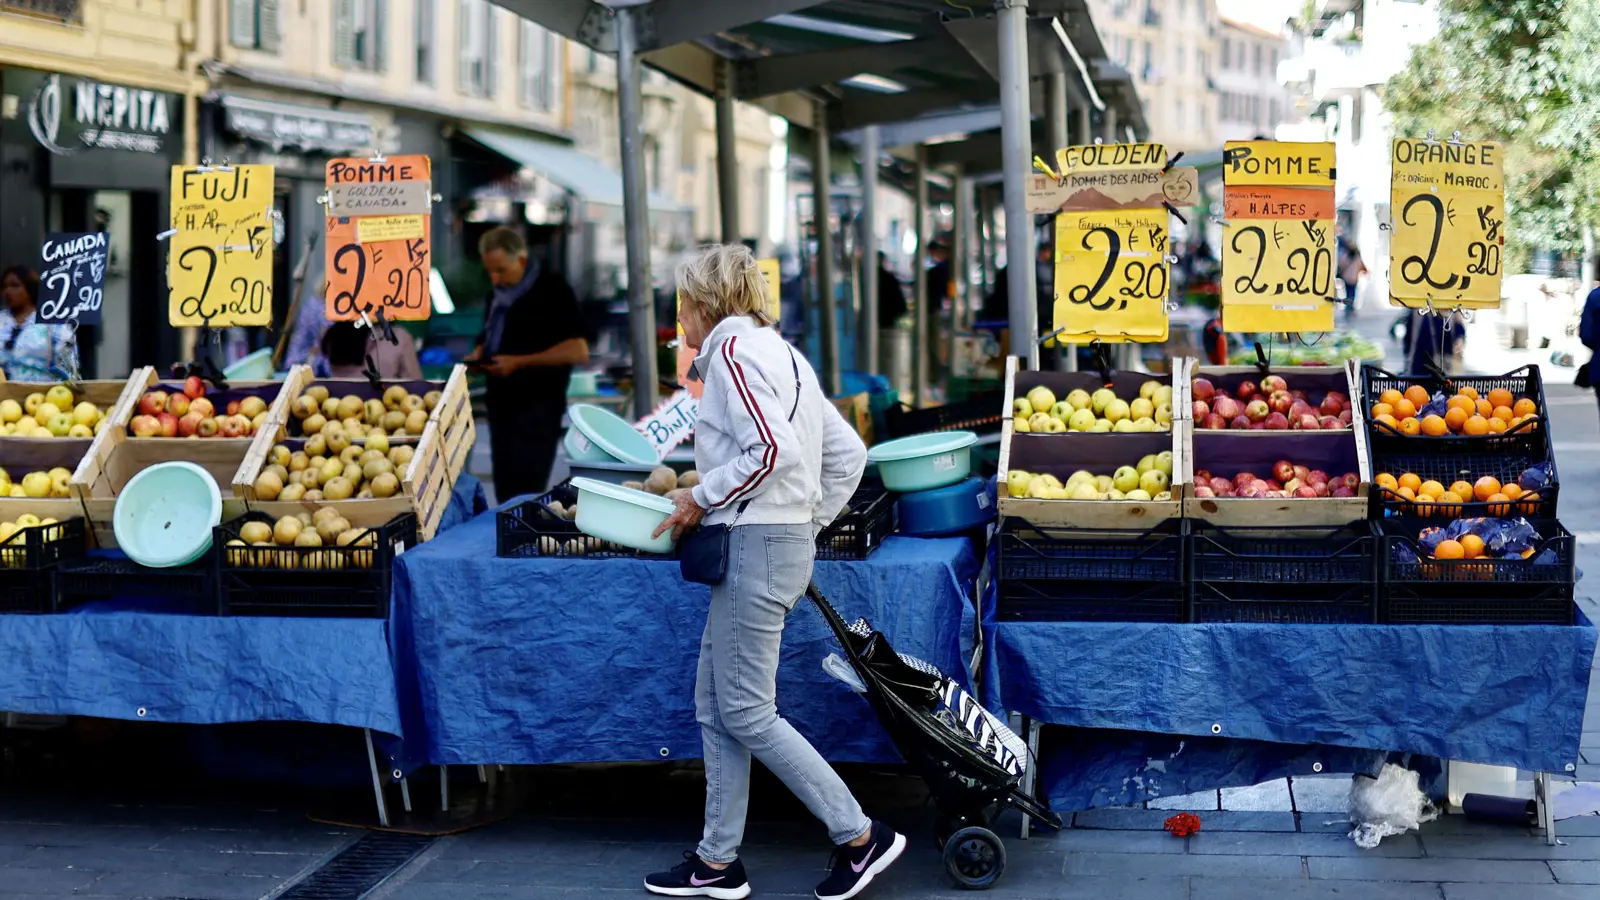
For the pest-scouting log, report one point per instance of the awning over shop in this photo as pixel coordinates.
(282, 125)
(570, 168)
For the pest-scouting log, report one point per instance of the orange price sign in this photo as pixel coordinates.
(379, 244)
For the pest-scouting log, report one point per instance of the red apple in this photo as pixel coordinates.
(1275, 485)
(232, 409)
(1350, 480)
(145, 426)
(1302, 473)
(1273, 383)
(153, 403)
(1201, 389)
(1317, 475)
(1239, 422)
(1308, 422)
(169, 424)
(1257, 410)
(1342, 491)
(1203, 490)
(1305, 491)
(1224, 392)
(1277, 422)
(1215, 422)
(1331, 406)
(1227, 407)
(1328, 423)
(178, 405)
(1280, 401)
(1247, 390)
(1202, 476)
(1320, 487)
(208, 427)
(1338, 397)
(1298, 394)
(1242, 479)
(202, 406)
(189, 423)
(1345, 418)
(245, 424)
(1201, 409)
(194, 387)
(1298, 408)
(1283, 470)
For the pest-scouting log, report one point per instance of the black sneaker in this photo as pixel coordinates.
(855, 867)
(693, 878)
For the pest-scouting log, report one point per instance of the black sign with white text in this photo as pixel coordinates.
(72, 279)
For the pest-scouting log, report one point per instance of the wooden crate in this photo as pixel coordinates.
(1062, 454)
(21, 455)
(440, 457)
(1256, 451)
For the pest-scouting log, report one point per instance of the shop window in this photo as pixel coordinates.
(535, 63)
(254, 24)
(1258, 60)
(423, 25)
(1227, 52)
(477, 39)
(358, 34)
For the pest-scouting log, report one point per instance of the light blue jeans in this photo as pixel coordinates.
(736, 692)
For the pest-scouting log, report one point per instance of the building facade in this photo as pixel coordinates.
(1251, 102)
(1169, 47)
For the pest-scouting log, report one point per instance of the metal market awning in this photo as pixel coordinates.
(568, 167)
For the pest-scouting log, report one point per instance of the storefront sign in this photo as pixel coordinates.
(219, 254)
(281, 125)
(388, 273)
(72, 277)
(68, 115)
(1448, 204)
(1278, 246)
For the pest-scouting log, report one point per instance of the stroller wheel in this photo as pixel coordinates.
(975, 858)
(949, 825)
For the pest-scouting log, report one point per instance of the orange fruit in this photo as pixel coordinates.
(1407, 492)
(1503, 412)
(1455, 418)
(1391, 397)
(1485, 408)
(1471, 546)
(1405, 409)
(1501, 397)
(1418, 395)
(1524, 407)
(1454, 500)
(1462, 489)
(1382, 409)
(1410, 481)
(1511, 489)
(1475, 426)
(1432, 488)
(1424, 505)
(1410, 426)
(1385, 480)
(1528, 505)
(1498, 426)
(1499, 505)
(1449, 549)
(1486, 486)
(1387, 420)
(1528, 552)
(1462, 401)
(1434, 426)
(1470, 392)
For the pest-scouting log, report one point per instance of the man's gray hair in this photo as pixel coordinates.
(503, 239)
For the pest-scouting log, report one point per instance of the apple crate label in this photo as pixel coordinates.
(219, 258)
(1283, 163)
(72, 277)
(384, 265)
(1111, 276)
(1278, 275)
(671, 423)
(1447, 201)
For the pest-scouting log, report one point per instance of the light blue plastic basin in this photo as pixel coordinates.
(613, 472)
(256, 366)
(923, 462)
(622, 515)
(599, 435)
(164, 515)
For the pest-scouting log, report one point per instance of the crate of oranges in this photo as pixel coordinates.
(1463, 485)
(1476, 571)
(1499, 411)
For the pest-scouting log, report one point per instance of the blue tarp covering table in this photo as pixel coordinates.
(539, 661)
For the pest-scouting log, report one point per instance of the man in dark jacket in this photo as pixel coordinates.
(532, 337)
(1589, 333)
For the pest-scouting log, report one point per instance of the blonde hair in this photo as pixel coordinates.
(722, 280)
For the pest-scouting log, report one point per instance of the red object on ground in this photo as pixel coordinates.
(1182, 824)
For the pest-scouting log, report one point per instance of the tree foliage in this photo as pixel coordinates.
(1523, 72)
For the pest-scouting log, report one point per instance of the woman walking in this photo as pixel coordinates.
(777, 463)
(34, 351)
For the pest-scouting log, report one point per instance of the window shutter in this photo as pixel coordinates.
(491, 73)
(242, 23)
(524, 63)
(270, 26)
(344, 33)
(554, 64)
(423, 25)
(380, 36)
(464, 47)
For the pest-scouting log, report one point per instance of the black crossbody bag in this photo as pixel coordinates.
(703, 553)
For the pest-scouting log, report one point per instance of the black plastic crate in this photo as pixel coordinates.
(1530, 439)
(854, 535)
(1459, 463)
(532, 528)
(85, 580)
(28, 559)
(1417, 590)
(1090, 575)
(981, 414)
(348, 582)
(1314, 575)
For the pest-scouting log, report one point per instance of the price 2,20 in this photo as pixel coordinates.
(1307, 270)
(61, 308)
(1139, 281)
(243, 299)
(401, 284)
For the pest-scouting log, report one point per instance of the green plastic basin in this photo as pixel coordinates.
(622, 515)
(923, 462)
(164, 515)
(599, 435)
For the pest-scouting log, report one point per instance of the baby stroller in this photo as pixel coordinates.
(972, 763)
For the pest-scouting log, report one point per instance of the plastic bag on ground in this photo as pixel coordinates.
(1387, 805)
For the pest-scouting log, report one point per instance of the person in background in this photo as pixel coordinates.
(1351, 268)
(1427, 340)
(33, 351)
(346, 348)
(1589, 334)
(892, 307)
(533, 335)
(938, 294)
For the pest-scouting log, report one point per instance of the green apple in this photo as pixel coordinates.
(1164, 416)
(1078, 478)
(1126, 478)
(1079, 399)
(1101, 399)
(1086, 491)
(1021, 408)
(1164, 462)
(1117, 410)
(1038, 489)
(1051, 480)
(1140, 494)
(1020, 425)
(1041, 398)
(1164, 495)
(1059, 493)
(1144, 425)
(1082, 420)
(1062, 410)
(1162, 396)
(1102, 483)
(1017, 483)
(1101, 426)
(1154, 481)
(1148, 389)
(1123, 426)
(1141, 409)
(1115, 494)
(1056, 426)
(1145, 463)
(1040, 422)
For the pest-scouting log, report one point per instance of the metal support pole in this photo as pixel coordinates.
(960, 261)
(636, 219)
(444, 788)
(822, 214)
(1067, 358)
(1015, 141)
(1086, 125)
(985, 246)
(1108, 122)
(727, 156)
(867, 355)
(919, 280)
(377, 779)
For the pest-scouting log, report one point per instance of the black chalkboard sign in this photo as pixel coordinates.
(72, 279)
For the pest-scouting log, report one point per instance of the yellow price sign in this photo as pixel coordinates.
(1278, 275)
(1447, 200)
(1082, 158)
(1111, 276)
(219, 259)
(1286, 163)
